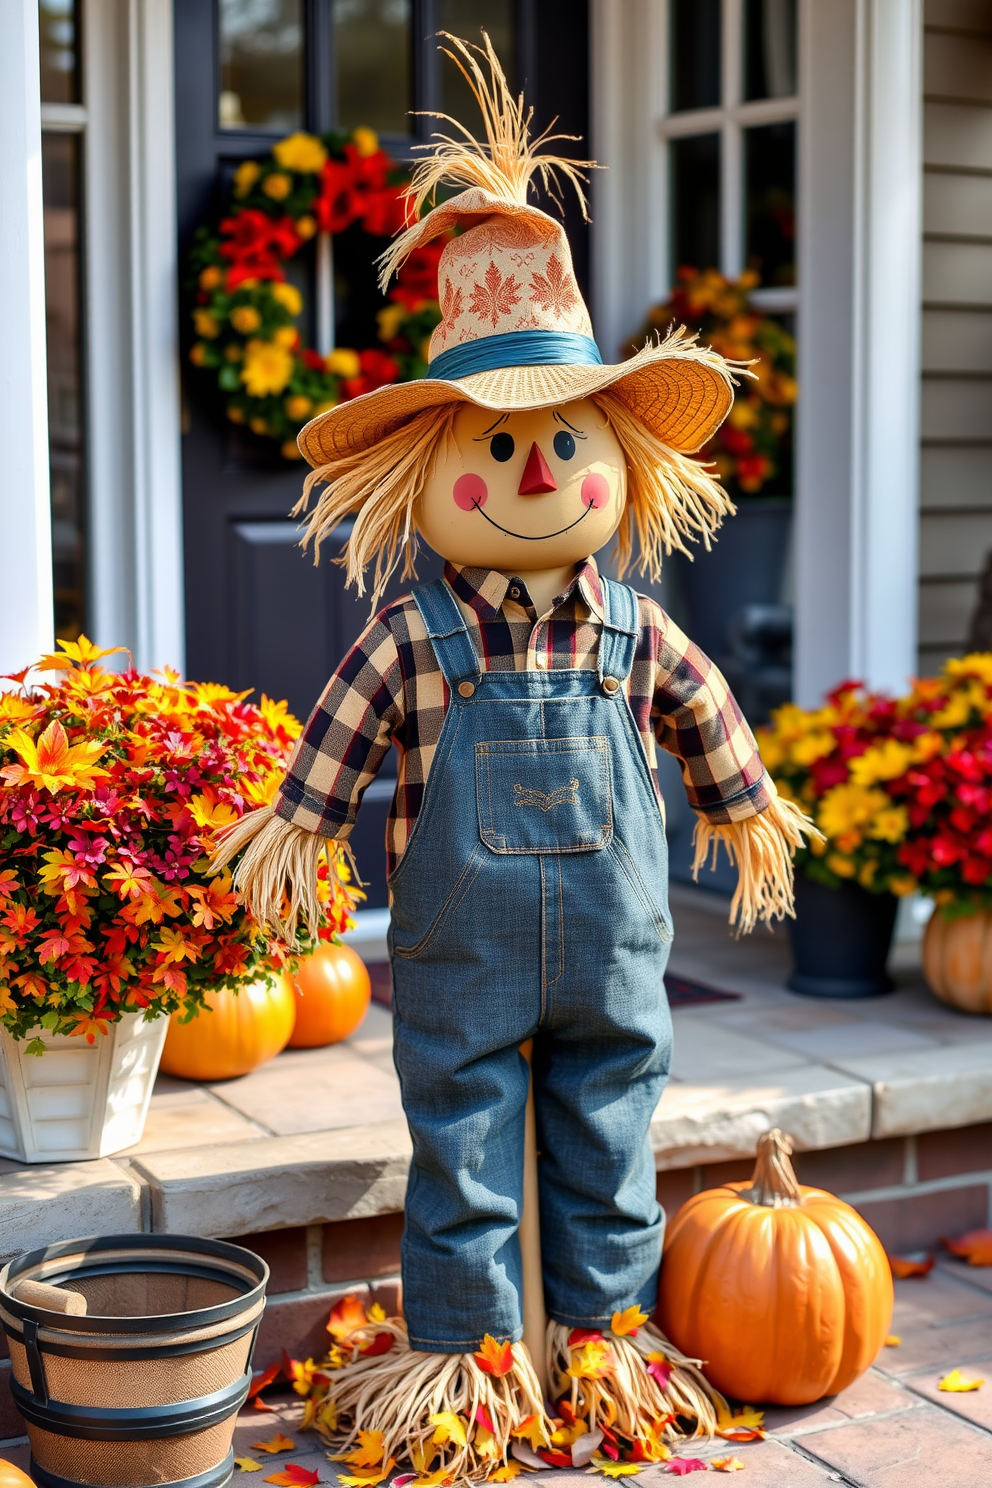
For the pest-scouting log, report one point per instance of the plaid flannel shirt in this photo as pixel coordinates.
(389, 690)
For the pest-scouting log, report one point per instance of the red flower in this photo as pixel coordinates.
(339, 203)
(378, 369)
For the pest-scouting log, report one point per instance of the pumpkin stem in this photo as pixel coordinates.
(774, 1182)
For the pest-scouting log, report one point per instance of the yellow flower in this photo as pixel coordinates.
(975, 664)
(344, 362)
(743, 415)
(848, 806)
(286, 336)
(955, 712)
(326, 406)
(890, 824)
(811, 748)
(866, 873)
(257, 425)
(206, 324)
(267, 368)
(300, 152)
(211, 276)
(771, 749)
(883, 761)
(306, 226)
(390, 318)
(245, 318)
(289, 450)
(235, 414)
(245, 176)
(198, 355)
(298, 406)
(903, 886)
(365, 141)
(277, 186)
(289, 297)
(843, 867)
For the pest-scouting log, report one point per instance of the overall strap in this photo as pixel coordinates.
(456, 655)
(621, 630)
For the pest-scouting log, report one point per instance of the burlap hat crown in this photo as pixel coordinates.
(515, 332)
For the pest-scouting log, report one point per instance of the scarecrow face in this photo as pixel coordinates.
(521, 492)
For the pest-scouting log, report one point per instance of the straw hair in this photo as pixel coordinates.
(628, 1399)
(762, 847)
(504, 166)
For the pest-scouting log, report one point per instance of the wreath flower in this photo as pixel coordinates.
(244, 312)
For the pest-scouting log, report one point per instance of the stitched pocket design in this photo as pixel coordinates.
(544, 795)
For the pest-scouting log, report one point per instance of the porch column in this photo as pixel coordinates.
(859, 271)
(26, 618)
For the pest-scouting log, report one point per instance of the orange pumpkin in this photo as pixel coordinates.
(235, 1032)
(783, 1291)
(12, 1477)
(332, 996)
(957, 960)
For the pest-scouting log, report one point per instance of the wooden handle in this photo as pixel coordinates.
(535, 1318)
(51, 1298)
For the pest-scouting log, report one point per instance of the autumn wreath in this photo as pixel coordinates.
(245, 312)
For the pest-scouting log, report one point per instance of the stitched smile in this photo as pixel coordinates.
(541, 537)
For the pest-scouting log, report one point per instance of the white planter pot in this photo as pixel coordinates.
(78, 1100)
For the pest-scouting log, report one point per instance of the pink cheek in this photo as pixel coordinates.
(470, 492)
(595, 491)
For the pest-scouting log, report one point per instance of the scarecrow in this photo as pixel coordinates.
(526, 695)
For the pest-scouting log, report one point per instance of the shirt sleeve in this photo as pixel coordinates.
(347, 736)
(696, 719)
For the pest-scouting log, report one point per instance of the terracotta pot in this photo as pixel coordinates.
(957, 960)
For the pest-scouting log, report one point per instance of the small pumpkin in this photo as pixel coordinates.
(233, 1034)
(332, 989)
(782, 1290)
(12, 1477)
(957, 960)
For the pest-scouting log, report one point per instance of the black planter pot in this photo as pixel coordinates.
(745, 566)
(840, 940)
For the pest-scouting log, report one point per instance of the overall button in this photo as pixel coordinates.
(466, 688)
(610, 685)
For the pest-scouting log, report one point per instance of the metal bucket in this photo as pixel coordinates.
(132, 1358)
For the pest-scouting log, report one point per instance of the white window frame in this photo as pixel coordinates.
(729, 120)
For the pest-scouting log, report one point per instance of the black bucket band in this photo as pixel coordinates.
(144, 1423)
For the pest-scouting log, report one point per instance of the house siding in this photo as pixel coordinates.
(956, 392)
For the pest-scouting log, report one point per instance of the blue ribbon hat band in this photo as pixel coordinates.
(516, 349)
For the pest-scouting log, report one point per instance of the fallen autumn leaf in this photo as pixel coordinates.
(956, 1384)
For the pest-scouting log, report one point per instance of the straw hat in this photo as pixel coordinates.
(515, 332)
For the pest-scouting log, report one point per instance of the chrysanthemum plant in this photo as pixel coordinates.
(901, 788)
(112, 787)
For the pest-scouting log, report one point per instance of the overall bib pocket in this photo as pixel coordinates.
(544, 795)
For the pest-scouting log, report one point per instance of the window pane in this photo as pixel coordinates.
(695, 195)
(58, 24)
(468, 18)
(372, 48)
(769, 48)
(261, 64)
(61, 188)
(770, 201)
(694, 49)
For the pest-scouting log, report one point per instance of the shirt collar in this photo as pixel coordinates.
(485, 590)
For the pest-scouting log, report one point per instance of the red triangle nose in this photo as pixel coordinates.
(537, 477)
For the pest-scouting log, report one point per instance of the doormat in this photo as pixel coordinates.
(682, 992)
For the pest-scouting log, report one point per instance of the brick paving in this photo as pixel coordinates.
(892, 1429)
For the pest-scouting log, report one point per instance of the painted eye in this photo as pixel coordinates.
(564, 445)
(501, 447)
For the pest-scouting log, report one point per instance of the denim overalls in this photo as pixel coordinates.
(531, 902)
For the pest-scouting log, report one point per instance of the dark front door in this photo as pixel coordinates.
(258, 613)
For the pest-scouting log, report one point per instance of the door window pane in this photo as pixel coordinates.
(467, 19)
(261, 64)
(770, 201)
(695, 196)
(58, 28)
(372, 52)
(694, 50)
(769, 48)
(61, 189)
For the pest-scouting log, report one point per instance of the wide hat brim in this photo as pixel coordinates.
(681, 393)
